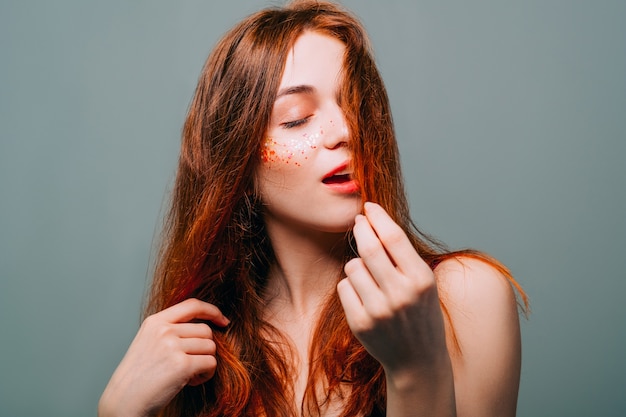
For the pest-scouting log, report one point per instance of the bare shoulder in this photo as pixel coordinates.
(474, 287)
(483, 335)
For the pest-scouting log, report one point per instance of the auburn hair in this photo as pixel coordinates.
(214, 243)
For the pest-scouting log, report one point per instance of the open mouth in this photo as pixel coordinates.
(337, 179)
(340, 180)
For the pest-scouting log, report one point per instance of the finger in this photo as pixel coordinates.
(393, 238)
(374, 255)
(193, 308)
(204, 368)
(377, 304)
(364, 285)
(198, 330)
(352, 305)
(195, 346)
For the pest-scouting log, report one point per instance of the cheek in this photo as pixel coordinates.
(289, 151)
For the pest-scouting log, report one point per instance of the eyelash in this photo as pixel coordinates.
(295, 123)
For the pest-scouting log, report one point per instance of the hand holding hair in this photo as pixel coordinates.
(168, 352)
(392, 306)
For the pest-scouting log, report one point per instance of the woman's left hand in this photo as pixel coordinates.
(390, 298)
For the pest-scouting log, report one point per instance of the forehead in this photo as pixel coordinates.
(316, 59)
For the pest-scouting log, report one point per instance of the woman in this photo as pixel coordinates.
(282, 289)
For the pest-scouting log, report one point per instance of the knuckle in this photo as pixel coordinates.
(211, 347)
(211, 363)
(414, 288)
(404, 300)
(424, 284)
(411, 294)
(153, 326)
(170, 343)
(161, 330)
(368, 249)
(392, 235)
(208, 332)
(380, 312)
(150, 321)
(179, 360)
(352, 266)
(362, 325)
(421, 281)
(194, 303)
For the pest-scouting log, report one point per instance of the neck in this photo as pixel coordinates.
(307, 268)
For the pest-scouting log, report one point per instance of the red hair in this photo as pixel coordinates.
(215, 246)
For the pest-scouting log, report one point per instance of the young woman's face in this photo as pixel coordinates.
(305, 176)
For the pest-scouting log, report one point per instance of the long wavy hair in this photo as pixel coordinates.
(215, 246)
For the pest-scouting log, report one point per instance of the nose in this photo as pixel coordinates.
(337, 134)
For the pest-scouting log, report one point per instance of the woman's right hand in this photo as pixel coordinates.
(168, 352)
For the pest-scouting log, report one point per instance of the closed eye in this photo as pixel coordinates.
(295, 123)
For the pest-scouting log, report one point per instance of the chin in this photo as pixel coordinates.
(339, 222)
(338, 229)
(332, 217)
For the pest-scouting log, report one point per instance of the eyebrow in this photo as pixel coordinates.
(297, 89)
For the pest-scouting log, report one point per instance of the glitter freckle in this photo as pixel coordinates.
(290, 150)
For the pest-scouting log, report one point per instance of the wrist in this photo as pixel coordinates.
(112, 405)
(425, 390)
(104, 407)
(414, 375)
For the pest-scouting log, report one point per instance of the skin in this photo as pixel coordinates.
(309, 136)
(389, 294)
(392, 306)
(168, 352)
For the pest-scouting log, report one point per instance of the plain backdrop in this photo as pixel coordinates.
(511, 120)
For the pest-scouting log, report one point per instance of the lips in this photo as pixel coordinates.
(338, 174)
(340, 179)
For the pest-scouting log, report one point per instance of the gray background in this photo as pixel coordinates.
(511, 122)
